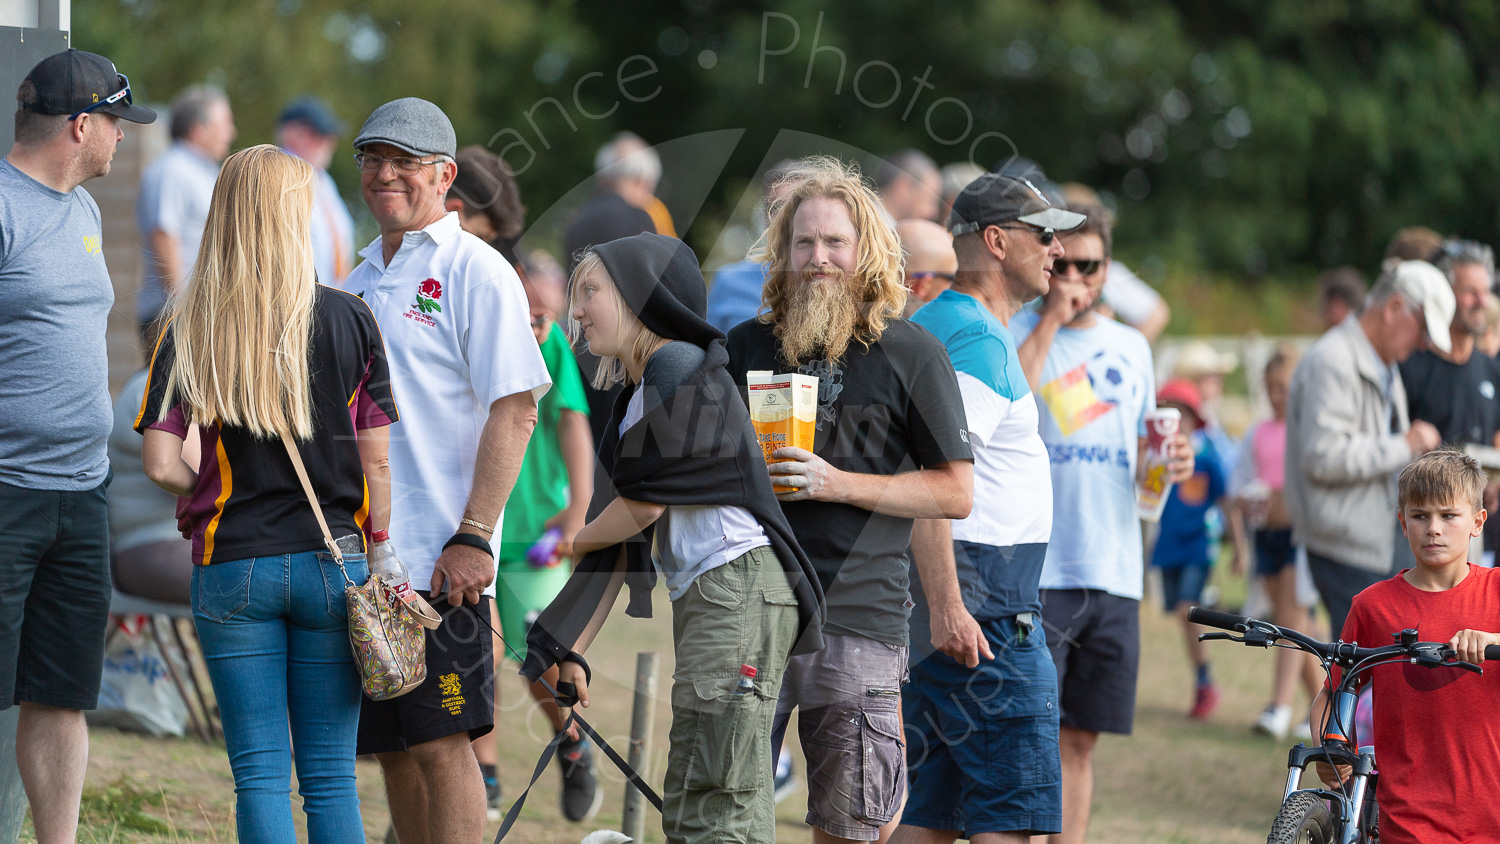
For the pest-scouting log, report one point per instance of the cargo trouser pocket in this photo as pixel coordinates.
(729, 747)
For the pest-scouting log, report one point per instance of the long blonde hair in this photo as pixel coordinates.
(611, 370)
(878, 281)
(242, 328)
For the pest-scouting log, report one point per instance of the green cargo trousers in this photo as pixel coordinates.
(719, 767)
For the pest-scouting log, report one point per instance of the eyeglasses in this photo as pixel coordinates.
(948, 277)
(540, 320)
(1046, 236)
(122, 94)
(402, 164)
(1083, 266)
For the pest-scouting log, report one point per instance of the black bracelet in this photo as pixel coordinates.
(577, 659)
(470, 540)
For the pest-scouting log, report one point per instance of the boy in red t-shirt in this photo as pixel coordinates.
(1437, 730)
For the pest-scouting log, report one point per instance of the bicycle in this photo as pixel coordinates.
(1321, 815)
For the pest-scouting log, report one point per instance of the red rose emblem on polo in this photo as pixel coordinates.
(428, 294)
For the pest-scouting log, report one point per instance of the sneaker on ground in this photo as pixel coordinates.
(786, 778)
(1275, 721)
(1205, 701)
(581, 796)
(492, 798)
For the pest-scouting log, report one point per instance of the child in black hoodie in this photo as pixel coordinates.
(683, 491)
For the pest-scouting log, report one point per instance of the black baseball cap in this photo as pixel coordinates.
(312, 113)
(996, 198)
(73, 82)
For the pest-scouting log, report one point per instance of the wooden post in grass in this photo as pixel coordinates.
(642, 723)
(12, 795)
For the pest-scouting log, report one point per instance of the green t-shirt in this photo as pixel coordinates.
(542, 487)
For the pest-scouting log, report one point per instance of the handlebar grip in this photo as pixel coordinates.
(1492, 652)
(1227, 621)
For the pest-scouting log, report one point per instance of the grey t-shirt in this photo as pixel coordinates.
(55, 298)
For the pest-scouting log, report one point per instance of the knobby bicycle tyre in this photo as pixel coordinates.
(1304, 819)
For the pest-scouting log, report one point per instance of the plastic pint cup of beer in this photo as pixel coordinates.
(1161, 427)
(784, 411)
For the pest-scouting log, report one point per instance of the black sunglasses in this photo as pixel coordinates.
(1046, 236)
(1084, 266)
(948, 277)
(122, 94)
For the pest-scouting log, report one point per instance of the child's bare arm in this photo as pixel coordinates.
(619, 521)
(1470, 644)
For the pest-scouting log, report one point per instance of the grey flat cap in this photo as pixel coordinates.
(411, 124)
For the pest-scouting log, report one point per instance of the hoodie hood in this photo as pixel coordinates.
(661, 283)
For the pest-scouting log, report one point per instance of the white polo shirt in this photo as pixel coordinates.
(458, 338)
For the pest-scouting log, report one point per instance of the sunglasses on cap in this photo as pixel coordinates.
(1083, 266)
(122, 94)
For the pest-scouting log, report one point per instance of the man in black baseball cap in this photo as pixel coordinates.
(56, 295)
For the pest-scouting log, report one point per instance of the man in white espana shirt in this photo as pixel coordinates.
(469, 373)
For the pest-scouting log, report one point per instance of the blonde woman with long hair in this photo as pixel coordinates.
(256, 348)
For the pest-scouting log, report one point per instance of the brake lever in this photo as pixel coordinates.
(1218, 637)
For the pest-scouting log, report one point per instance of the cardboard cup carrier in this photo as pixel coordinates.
(1161, 427)
(784, 411)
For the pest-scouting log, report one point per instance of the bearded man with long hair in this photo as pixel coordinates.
(891, 447)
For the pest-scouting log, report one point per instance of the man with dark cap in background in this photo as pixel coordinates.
(308, 130)
(55, 420)
(469, 374)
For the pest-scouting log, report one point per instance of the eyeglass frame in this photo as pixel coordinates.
(1075, 263)
(359, 163)
(123, 93)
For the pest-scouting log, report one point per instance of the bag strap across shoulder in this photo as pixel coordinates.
(312, 498)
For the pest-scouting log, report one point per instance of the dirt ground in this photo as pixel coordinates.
(1172, 781)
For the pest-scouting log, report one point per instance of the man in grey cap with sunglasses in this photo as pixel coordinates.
(1094, 384)
(55, 419)
(467, 372)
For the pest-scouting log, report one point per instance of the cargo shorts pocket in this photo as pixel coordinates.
(729, 741)
(222, 590)
(882, 762)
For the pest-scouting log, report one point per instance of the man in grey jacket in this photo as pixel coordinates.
(1348, 433)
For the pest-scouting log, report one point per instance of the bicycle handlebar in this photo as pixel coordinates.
(1340, 652)
(1214, 618)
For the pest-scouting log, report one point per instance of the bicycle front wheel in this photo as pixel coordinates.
(1304, 819)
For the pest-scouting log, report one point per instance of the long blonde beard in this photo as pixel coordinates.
(819, 315)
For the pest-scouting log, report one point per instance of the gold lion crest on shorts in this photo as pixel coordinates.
(448, 684)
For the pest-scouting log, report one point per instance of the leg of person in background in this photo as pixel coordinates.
(1077, 750)
(52, 753)
(1205, 693)
(1277, 719)
(918, 835)
(435, 791)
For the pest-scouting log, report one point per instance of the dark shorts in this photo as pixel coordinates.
(1095, 640)
(849, 696)
(1183, 585)
(981, 751)
(54, 596)
(458, 695)
(1274, 551)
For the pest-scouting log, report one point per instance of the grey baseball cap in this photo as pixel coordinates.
(410, 124)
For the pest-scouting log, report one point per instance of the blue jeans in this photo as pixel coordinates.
(275, 636)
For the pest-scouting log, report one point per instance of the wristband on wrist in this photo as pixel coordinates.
(380, 536)
(489, 529)
(470, 540)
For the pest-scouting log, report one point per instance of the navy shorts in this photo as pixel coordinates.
(1274, 551)
(981, 743)
(1183, 585)
(1095, 639)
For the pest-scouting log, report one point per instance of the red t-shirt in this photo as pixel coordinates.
(1437, 730)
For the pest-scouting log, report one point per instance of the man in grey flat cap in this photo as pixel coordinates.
(468, 373)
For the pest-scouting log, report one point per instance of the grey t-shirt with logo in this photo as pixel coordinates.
(55, 298)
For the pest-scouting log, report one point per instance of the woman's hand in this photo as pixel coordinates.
(572, 672)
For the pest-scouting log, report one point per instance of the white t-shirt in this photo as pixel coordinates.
(1133, 300)
(175, 193)
(458, 338)
(692, 539)
(1096, 387)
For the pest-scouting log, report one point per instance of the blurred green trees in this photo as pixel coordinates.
(1242, 137)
